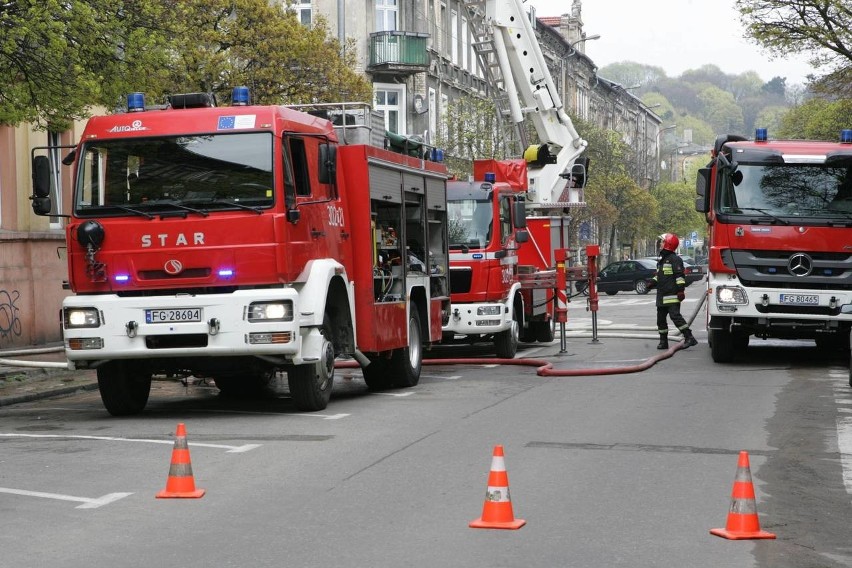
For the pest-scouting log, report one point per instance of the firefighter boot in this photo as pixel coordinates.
(688, 339)
(664, 341)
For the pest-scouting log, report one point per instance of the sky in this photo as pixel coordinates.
(674, 34)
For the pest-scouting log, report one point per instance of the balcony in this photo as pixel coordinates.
(398, 52)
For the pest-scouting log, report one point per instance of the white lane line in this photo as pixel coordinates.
(396, 394)
(844, 431)
(86, 502)
(452, 378)
(230, 449)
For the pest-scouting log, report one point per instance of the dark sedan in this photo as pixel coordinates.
(623, 276)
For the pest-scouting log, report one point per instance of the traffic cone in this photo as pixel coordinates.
(742, 517)
(180, 482)
(497, 511)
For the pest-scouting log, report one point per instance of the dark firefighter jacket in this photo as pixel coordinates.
(669, 279)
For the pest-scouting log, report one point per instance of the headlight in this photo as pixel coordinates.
(81, 317)
(488, 310)
(732, 295)
(270, 311)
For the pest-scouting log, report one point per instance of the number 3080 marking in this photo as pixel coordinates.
(335, 216)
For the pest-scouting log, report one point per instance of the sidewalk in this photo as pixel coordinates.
(617, 349)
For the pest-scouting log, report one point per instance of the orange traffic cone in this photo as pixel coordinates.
(742, 517)
(497, 511)
(180, 482)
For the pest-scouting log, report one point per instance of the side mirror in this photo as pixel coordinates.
(41, 176)
(522, 236)
(293, 215)
(519, 215)
(327, 167)
(41, 186)
(702, 189)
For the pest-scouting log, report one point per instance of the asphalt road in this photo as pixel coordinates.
(625, 470)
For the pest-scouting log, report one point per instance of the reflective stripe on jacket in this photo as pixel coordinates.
(669, 278)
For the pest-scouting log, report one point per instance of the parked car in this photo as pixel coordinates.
(691, 272)
(699, 264)
(623, 276)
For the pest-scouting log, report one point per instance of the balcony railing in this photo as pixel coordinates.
(403, 52)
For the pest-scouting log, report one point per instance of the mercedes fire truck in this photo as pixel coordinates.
(779, 216)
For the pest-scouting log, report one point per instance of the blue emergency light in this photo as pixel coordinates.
(846, 136)
(135, 102)
(490, 177)
(240, 96)
(437, 155)
(761, 135)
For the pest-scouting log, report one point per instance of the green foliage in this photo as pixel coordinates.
(821, 29)
(817, 119)
(721, 110)
(58, 59)
(676, 206)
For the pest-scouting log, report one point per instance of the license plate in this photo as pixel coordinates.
(173, 315)
(801, 299)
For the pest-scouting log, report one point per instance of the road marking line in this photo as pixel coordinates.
(231, 449)
(844, 437)
(397, 394)
(86, 502)
(453, 377)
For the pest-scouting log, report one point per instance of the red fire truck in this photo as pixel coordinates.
(236, 242)
(502, 263)
(780, 241)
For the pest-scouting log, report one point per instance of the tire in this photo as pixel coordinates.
(376, 374)
(543, 331)
(641, 287)
(721, 346)
(311, 384)
(612, 293)
(124, 387)
(506, 342)
(405, 363)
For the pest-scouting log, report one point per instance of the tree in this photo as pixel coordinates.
(57, 59)
(720, 110)
(821, 29)
(224, 43)
(817, 119)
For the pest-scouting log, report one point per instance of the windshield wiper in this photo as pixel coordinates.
(227, 202)
(130, 210)
(765, 212)
(177, 205)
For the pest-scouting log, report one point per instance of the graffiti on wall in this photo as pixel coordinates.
(10, 323)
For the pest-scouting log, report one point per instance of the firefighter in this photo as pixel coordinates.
(670, 284)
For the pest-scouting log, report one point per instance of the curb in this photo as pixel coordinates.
(49, 393)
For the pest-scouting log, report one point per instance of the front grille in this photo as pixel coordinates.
(163, 275)
(798, 310)
(770, 269)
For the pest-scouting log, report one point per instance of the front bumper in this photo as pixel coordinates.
(480, 318)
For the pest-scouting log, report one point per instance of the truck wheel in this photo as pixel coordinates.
(721, 346)
(310, 384)
(124, 387)
(376, 374)
(544, 331)
(405, 363)
(506, 342)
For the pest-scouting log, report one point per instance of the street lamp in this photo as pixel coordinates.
(582, 40)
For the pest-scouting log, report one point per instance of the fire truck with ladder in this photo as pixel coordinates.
(503, 280)
(779, 216)
(237, 242)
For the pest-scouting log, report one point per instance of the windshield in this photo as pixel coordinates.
(186, 173)
(470, 223)
(784, 190)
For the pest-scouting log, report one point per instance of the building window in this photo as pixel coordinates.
(302, 9)
(433, 115)
(454, 41)
(465, 34)
(386, 15)
(390, 101)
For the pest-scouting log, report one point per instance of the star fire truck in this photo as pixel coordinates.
(502, 275)
(779, 216)
(236, 242)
